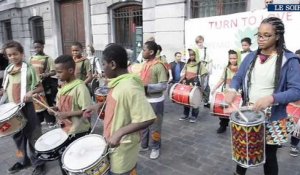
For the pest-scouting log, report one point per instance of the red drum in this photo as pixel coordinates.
(186, 95)
(220, 108)
(101, 94)
(293, 109)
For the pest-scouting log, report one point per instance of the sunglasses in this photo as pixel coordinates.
(269, 2)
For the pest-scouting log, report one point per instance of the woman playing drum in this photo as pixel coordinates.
(269, 78)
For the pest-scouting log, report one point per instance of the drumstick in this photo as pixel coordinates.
(98, 117)
(45, 106)
(48, 108)
(241, 114)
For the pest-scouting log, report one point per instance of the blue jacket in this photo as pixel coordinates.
(288, 89)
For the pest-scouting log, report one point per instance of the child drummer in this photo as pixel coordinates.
(125, 114)
(191, 75)
(20, 83)
(72, 99)
(225, 80)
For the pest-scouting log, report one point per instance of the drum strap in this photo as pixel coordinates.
(23, 79)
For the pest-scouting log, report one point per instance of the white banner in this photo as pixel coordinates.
(222, 33)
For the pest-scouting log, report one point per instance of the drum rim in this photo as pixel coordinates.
(18, 130)
(171, 90)
(243, 123)
(190, 96)
(17, 111)
(102, 94)
(53, 149)
(88, 167)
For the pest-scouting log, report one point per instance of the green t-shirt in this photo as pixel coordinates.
(38, 62)
(126, 104)
(74, 96)
(154, 72)
(82, 68)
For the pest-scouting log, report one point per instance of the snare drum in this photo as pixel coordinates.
(11, 119)
(101, 94)
(220, 108)
(86, 155)
(186, 95)
(51, 145)
(248, 138)
(293, 109)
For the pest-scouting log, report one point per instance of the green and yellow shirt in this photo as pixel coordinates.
(74, 96)
(126, 104)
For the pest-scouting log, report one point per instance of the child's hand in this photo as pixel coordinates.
(114, 140)
(61, 115)
(28, 97)
(51, 112)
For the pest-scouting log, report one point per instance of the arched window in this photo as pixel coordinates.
(205, 8)
(37, 28)
(126, 20)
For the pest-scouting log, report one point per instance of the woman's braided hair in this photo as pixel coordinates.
(280, 48)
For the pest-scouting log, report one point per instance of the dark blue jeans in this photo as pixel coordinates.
(195, 111)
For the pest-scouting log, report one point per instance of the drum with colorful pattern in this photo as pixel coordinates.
(248, 138)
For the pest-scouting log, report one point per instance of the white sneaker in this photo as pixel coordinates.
(154, 154)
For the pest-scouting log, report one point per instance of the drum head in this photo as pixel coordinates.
(8, 110)
(94, 84)
(84, 152)
(50, 140)
(103, 91)
(195, 97)
(253, 117)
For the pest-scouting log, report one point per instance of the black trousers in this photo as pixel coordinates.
(271, 165)
(224, 122)
(28, 136)
(44, 115)
(294, 141)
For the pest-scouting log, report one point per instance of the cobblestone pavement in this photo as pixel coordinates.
(187, 149)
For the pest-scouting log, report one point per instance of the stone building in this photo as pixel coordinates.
(127, 22)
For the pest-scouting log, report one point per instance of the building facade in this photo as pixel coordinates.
(99, 22)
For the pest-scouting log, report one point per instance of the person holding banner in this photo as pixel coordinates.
(269, 77)
(205, 60)
(225, 80)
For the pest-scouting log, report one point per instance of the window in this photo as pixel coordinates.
(126, 19)
(7, 31)
(37, 28)
(206, 8)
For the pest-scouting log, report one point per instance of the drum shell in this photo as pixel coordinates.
(14, 123)
(53, 153)
(99, 167)
(294, 111)
(186, 95)
(221, 109)
(248, 141)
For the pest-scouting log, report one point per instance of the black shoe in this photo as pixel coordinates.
(222, 129)
(39, 170)
(16, 168)
(207, 105)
